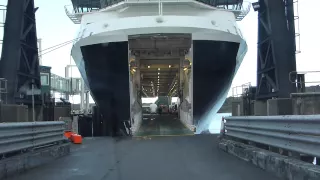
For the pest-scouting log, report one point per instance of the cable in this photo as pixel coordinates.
(59, 44)
(55, 49)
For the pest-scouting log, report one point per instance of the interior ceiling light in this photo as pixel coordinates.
(148, 66)
(158, 69)
(169, 66)
(158, 73)
(158, 77)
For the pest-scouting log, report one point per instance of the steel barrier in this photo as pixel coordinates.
(29, 135)
(296, 133)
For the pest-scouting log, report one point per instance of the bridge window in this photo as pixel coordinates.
(44, 79)
(224, 4)
(83, 6)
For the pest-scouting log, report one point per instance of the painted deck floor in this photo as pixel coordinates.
(162, 125)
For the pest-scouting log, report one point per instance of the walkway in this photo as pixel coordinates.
(158, 158)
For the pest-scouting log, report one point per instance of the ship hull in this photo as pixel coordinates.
(102, 58)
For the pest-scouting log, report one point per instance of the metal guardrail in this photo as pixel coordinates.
(293, 76)
(296, 133)
(29, 135)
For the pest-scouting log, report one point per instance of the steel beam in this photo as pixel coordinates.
(276, 49)
(20, 61)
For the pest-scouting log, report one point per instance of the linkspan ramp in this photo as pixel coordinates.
(155, 158)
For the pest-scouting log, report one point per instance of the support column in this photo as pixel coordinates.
(135, 96)
(19, 63)
(181, 80)
(82, 94)
(87, 103)
(138, 81)
(190, 54)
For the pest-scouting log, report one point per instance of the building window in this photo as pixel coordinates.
(44, 79)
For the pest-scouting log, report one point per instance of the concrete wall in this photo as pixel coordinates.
(260, 108)
(281, 106)
(21, 113)
(305, 103)
(61, 112)
(282, 166)
(38, 111)
(77, 106)
(13, 166)
(13, 113)
(298, 104)
(237, 107)
(240, 106)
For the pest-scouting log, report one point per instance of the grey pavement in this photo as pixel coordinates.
(158, 158)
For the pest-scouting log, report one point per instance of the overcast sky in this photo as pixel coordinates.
(307, 60)
(54, 27)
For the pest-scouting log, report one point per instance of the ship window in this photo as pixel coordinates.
(83, 6)
(224, 4)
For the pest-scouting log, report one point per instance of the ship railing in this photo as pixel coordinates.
(75, 14)
(71, 13)
(303, 78)
(240, 9)
(239, 91)
(246, 6)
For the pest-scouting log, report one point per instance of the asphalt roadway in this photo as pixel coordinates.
(149, 158)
